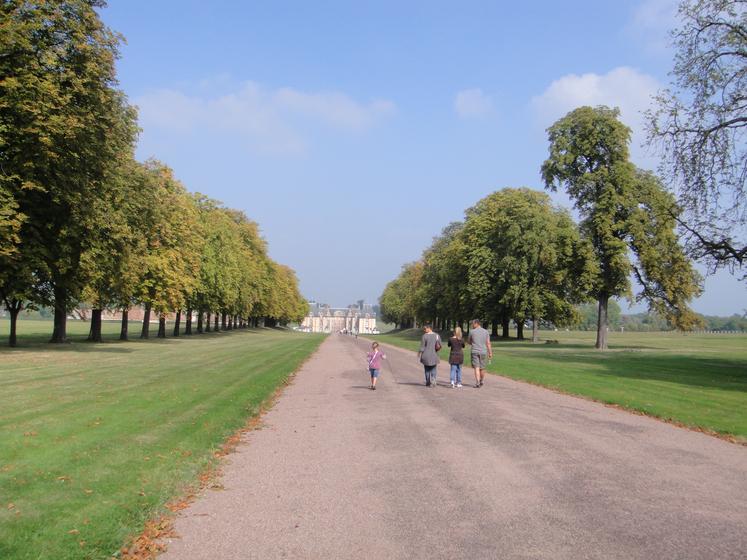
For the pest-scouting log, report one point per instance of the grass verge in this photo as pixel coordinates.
(699, 381)
(95, 439)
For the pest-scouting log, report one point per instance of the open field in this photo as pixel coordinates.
(699, 380)
(96, 438)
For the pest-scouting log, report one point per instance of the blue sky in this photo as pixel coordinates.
(353, 132)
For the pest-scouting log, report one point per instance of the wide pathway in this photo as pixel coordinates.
(506, 471)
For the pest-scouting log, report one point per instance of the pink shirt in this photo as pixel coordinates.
(374, 359)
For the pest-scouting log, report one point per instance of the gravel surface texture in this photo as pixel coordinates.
(509, 470)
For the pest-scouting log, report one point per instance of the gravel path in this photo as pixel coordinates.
(506, 471)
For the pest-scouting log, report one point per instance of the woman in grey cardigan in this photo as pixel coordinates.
(430, 344)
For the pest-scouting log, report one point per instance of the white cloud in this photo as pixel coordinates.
(651, 23)
(268, 120)
(623, 87)
(470, 103)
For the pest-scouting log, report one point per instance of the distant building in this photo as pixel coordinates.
(322, 318)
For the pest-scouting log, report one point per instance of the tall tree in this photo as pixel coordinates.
(171, 264)
(62, 124)
(699, 127)
(539, 266)
(16, 278)
(398, 301)
(589, 157)
(112, 260)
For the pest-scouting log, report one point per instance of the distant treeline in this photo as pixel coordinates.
(645, 322)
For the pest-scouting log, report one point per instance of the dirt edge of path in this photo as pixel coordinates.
(150, 542)
(724, 437)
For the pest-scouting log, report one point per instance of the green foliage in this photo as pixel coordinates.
(81, 222)
(587, 316)
(623, 210)
(398, 301)
(63, 127)
(171, 262)
(514, 256)
(525, 258)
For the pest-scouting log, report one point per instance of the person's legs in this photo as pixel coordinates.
(458, 374)
(427, 376)
(434, 375)
(374, 377)
(452, 374)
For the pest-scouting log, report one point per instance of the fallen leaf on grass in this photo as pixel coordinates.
(30, 434)
(73, 532)
(88, 491)
(64, 478)
(11, 506)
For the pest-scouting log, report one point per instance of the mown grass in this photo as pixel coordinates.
(96, 438)
(698, 380)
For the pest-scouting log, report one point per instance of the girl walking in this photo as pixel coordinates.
(456, 357)
(374, 363)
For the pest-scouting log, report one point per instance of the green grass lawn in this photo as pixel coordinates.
(699, 380)
(96, 438)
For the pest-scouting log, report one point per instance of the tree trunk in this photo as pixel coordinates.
(519, 329)
(200, 326)
(535, 330)
(14, 309)
(59, 333)
(145, 331)
(505, 325)
(230, 322)
(125, 324)
(207, 321)
(177, 322)
(162, 325)
(188, 322)
(604, 300)
(94, 334)
(216, 327)
(494, 328)
(223, 321)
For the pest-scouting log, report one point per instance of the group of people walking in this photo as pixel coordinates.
(430, 345)
(478, 338)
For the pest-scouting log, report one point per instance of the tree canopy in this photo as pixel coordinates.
(81, 221)
(623, 211)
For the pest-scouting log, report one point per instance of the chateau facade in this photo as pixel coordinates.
(322, 318)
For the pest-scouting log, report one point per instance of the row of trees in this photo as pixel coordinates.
(517, 256)
(82, 220)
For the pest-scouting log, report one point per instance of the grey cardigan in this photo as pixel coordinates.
(429, 356)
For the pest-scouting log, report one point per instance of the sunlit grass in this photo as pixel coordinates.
(699, 380)
(96, 438)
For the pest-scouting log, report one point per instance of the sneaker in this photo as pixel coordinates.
(459, 385)
(374, 387)
(477, 385)
(480, 382)
(452, 385)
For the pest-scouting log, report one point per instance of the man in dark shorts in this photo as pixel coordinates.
(479, 339)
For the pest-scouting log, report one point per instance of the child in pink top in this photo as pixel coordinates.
(374, 363)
